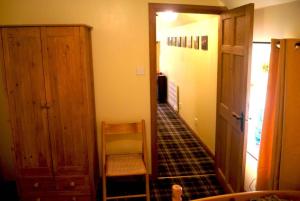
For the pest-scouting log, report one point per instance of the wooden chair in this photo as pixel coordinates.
(124, 164)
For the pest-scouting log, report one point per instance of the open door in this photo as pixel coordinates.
(235, 44)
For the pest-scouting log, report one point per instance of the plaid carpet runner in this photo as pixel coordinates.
(193, 188)
(179, 152)
(181, 160)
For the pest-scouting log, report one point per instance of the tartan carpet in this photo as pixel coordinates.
(181, 160)
(179, 152)
(193, 187)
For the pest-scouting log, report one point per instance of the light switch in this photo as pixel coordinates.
(140, 71)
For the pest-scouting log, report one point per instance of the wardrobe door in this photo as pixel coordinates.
(65, 90)
(23, 71)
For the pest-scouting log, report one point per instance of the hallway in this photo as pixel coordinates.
(181, 160)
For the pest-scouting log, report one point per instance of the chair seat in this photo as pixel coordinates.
(125, 165)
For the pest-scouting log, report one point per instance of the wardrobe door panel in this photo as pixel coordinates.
(65, 85)
(23, 69)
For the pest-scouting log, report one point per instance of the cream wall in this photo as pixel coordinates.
(195, 73)
(281, 21)
(120, 45)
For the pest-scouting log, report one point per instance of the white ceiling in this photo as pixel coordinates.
(258, 3)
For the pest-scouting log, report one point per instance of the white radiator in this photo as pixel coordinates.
(173, 95)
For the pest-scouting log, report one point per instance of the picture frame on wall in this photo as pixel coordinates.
(189, 41)
(169, 41)
(173, 41)
(183, 41)
(204, 42)
(178, 41)
(196, 42)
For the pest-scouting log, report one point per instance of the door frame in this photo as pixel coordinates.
(153, 8)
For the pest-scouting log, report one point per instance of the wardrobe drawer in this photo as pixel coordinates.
(37, 184)
(80, 184)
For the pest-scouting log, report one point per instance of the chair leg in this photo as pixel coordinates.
(147, 188)
(104, 187)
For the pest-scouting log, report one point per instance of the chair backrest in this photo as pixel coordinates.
(110, 129)
(123, 128)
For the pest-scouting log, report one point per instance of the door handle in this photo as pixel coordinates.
(241, 118)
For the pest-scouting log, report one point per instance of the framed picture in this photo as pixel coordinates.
(169, 42)
(189, 41)
(173, 41)
(183, 41)
(196, 42)
(178, 41)
(204, 42)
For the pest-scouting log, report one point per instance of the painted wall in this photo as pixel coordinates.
(120, 45)
(281, 21)
(195, 72)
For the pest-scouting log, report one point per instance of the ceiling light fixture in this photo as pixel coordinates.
(168, 16)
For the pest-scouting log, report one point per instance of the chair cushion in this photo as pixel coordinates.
(123, 165)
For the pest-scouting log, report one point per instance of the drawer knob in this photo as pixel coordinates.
(72, 183)
(74, 199)
(38, 199)
(36, 185)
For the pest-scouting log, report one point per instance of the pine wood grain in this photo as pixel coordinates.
(66, 99)
(235, 42)
(26, 96)
(49, 83)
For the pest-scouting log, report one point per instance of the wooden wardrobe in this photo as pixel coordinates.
(48, 79)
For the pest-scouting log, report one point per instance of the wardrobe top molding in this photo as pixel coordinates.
(46, 25)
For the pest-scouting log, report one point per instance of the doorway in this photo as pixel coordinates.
(187, 93)
(258, 91)
(153, 10)
(235, 45)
